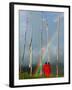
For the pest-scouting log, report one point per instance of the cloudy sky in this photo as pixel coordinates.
(33, 23)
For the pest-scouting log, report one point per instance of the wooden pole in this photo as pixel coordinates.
(48, 40)
(24, 50)
(30, 55)
(58, 30)
(41, 47)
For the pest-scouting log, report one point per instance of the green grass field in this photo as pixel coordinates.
(26, 75)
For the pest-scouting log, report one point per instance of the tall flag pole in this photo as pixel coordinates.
(41, 47)
(48, 40)
(58, 30)
(41, 55)
(24, 45)
(30, 54)
(25, 39)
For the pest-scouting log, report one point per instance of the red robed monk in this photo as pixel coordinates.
(47, 69)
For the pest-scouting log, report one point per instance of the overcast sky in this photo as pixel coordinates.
(33, 23)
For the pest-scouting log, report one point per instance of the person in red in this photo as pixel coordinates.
(47, 69)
